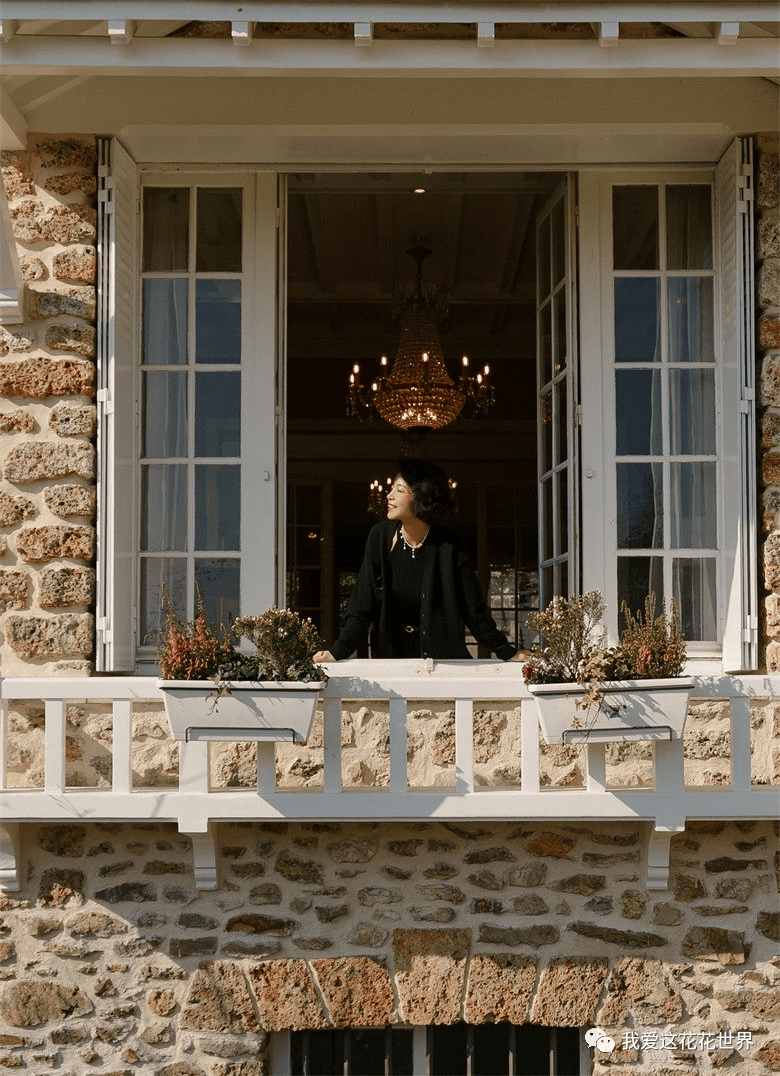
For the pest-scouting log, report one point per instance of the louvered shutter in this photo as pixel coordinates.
(734, 231)
(117, 292)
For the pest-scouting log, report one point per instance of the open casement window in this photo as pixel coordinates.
(666, 464)
(557, 410)
(188, 464)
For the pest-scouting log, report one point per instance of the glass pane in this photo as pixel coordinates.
(218, 414)
(491, 1049)
(547, 515)
(638, 415)
(308, 588)
(401, 1051)
(688, 227)
(545, 406)
(545, 344)
(164, 507)
(367, 1051)
(561, 422)
(635, 227)
(640, 506)
(500, 504)
(165, 414)
(562, 571)
(637, 577)
(692, 399)
(696, 593)
(308, 545)
(218, 321)
(166, 229)
(691, 320)
(558, 243)
(560, 356)
(693, 505)
(563, 513)
(165, 323)
(219, 583)
(543, 271)
(154, 572)
(546, 586)
(218, 248)
(217, 507)
(308, 504)
(447, 1045)
(637, 319)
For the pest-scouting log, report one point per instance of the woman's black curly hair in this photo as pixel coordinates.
(432, 497)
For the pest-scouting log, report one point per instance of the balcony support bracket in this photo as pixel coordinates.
(659, 842)
(204, 854)
(9, 857)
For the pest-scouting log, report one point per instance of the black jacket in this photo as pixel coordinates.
(451, 598)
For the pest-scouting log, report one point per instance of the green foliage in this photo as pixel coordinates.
(284, 643)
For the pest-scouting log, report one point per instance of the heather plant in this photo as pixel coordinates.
(189, 649)
(572, 645)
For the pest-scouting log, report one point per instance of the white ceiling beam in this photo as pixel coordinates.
(13, 125)
(121, 31)
(364, 33)
(659, 57)
(241, 32)
(409, 11)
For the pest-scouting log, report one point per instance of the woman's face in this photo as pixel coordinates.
(399, 501)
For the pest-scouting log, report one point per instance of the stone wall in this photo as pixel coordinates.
(47, 414)
(768, 303)
(113, 962)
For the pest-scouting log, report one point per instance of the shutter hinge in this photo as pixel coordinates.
(104, 398)
(744, 191)
(748, 398)
(101, 625)
(750, 632)
(578, 414)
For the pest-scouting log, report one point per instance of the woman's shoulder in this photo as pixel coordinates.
(380, 532)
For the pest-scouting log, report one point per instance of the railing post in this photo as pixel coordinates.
(596, 767)
(266, 768)
(669, 773)
(122, 746)
(331, 738)
(3, 742)
(529, 747)
(399, 776)
(464, 746)
(54, 751)
(741, 768)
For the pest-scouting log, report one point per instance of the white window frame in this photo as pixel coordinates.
(735, 477)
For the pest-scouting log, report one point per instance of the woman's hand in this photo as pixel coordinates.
(322, 655)
(521, 655)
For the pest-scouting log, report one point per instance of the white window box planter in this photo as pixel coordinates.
(630, 710)
(252, 710)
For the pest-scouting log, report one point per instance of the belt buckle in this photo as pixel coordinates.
(410, 628)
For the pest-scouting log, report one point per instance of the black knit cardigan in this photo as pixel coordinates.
(451, 598)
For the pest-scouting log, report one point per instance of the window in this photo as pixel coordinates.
(440, 1050)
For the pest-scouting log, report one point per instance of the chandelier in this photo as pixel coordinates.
(418, 393)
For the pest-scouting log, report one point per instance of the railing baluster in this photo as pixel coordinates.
(669, 766)
(399, 777)
(331, 736)
(3, 742)
(529, 747)
(266, 768)
(464, 746)
(596, 767)
(741, 755)
(54, 766)
(122, 746)
(194, 766)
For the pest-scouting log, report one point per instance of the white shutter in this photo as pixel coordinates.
(735, 265)
(116, 531)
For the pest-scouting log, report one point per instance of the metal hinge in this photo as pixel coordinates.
(747, 400)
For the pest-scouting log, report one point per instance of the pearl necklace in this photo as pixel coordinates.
(414, 546)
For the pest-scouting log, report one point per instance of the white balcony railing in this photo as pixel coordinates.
(665, 799)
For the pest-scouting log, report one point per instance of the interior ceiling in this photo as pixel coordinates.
(348, 238)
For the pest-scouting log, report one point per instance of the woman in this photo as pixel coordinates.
(416, 591)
